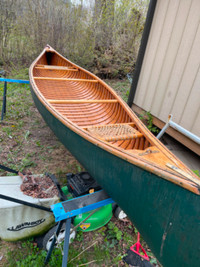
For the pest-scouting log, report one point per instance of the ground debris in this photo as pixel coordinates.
(38, 186)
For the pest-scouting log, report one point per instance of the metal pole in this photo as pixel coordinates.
(5, 94)
(29, 204)
(4, 101)
(53, 242)
(5, 80)
(66, 242)
(164, 128)
(180, 129)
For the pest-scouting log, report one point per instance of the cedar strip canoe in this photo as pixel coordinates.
(158, 192)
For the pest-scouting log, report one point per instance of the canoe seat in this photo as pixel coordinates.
(114, 132)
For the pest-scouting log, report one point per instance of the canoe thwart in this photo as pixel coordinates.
(51, 67)
(79, 101)
(114, 132)
(65, 79)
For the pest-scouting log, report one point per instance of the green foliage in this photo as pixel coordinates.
(26, 162)
(196, 172)
(27, 134)
(147, 118)
(81, 252)
(37, 142)
(103, 37)
(114, 232)
(30, 255)
(12, 135)
(79, 236)
(122, 87)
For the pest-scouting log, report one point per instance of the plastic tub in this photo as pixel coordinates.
(18, 221)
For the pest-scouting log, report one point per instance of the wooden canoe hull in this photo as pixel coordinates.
(167, 215)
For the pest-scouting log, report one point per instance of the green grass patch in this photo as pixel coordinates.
(122, 87)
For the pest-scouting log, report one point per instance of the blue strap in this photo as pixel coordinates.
(72, 207)
(13, 81)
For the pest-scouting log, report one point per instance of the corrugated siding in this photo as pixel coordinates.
(170, 77)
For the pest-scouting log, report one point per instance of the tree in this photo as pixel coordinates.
(104, 23)
(7, 18)
(103, 37)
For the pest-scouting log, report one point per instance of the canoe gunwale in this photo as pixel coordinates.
(163, 173)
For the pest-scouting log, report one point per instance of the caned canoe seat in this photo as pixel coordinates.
(114, 132)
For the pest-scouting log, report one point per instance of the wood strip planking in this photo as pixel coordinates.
(79, 101)
(65, 79)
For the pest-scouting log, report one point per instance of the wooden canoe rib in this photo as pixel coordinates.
(115, 147)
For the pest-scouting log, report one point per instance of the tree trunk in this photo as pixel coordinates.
(104, 21)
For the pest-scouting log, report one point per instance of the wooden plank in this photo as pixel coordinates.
(65, 79)
(51, 67)
(77, 101)
(172, 132)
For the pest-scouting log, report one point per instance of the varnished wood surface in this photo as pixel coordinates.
(51, 67)
(65, 79)
(82, 101)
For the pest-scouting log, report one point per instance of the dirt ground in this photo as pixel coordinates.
(38, 151)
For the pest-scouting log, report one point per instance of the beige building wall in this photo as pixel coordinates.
(169, 81)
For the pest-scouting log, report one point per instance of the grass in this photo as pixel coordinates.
(94, 248)
(27, 144)
(122, 87)
(25, 140)
(104, 247)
